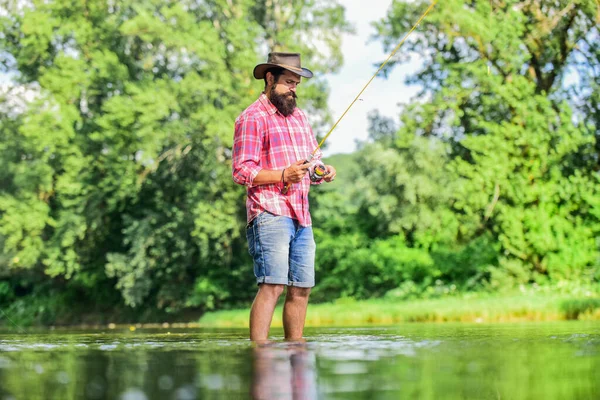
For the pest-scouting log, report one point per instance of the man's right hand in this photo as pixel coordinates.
(295, 172)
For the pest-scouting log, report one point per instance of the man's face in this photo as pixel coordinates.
(283, 92)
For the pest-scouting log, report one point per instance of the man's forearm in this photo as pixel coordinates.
(267, 176)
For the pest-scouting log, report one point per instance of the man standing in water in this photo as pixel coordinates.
(271, 143)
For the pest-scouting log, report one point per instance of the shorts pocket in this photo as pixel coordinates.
(251, 240)
(266, 218)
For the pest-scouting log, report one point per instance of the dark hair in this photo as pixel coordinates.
(276, 71)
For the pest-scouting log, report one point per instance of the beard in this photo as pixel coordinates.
(285, 103)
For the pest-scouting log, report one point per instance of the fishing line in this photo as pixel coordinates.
(11, 321)
(287, 186)
(375, 74)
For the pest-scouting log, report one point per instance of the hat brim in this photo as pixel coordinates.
(261, 69)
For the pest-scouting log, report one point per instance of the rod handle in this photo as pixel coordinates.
(288, 185)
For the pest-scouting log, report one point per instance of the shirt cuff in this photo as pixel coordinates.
(252, 175)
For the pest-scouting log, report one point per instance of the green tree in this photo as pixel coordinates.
(117, 174)
(521, 165)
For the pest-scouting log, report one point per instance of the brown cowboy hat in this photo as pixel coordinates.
(289, 61)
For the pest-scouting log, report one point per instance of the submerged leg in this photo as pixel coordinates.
(294, 312)
(261, 313)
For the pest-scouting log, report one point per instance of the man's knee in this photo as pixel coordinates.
(271, 289)
(298, 292)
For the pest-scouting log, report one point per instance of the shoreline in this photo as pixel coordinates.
(467, 309)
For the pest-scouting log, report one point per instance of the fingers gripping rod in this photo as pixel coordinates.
(310, 157)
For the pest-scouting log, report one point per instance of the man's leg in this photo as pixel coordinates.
(294, 312)
(269, 239)
(302, 278)
(261, 313)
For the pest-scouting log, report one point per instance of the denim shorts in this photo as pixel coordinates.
(282, 250)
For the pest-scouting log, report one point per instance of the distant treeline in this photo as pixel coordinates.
(116, 198)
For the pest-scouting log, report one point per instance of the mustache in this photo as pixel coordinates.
(293, 95)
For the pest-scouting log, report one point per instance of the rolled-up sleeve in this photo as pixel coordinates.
(247, 145)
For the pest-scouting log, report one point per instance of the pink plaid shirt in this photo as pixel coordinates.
(264, 138)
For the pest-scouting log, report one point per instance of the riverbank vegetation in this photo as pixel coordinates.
(516, 306)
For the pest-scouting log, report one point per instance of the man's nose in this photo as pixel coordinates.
(293, 88)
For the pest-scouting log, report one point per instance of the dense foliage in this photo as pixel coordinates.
(116, 188)
(491, 179)
(116, 198)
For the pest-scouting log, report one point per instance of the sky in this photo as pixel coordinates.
(362, 57)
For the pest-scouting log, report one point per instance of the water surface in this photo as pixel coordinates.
(412, 361)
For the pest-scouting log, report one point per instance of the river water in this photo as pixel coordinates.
(411, 361)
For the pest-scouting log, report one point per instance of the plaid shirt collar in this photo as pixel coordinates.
(269, 107)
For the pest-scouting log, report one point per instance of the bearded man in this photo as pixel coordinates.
(272, 142)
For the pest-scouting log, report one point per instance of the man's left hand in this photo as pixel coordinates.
(330, 176)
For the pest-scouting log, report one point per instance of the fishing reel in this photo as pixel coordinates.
(317, 172)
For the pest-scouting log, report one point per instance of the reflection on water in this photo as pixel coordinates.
(284, 371)
(430, 361)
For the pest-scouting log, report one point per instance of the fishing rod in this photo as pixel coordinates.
(320, 170)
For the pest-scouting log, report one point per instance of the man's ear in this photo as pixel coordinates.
(270, 79)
